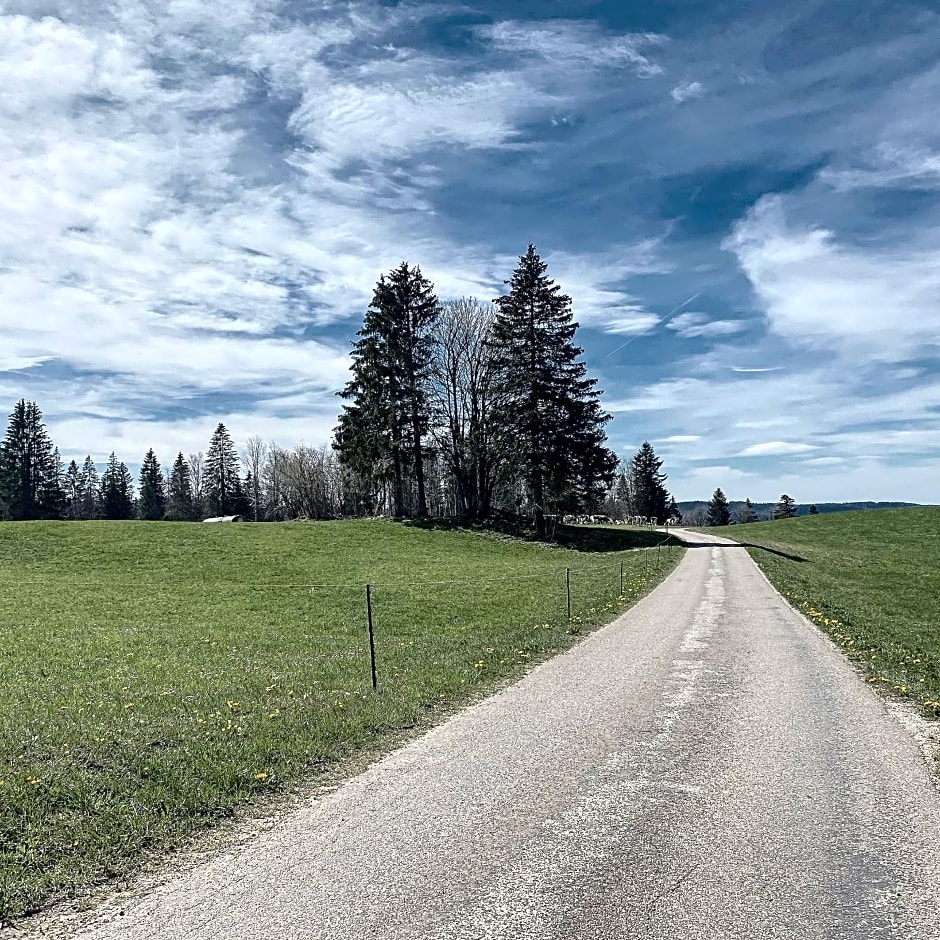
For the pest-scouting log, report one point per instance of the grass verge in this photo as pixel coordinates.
(871, 580)
(157, 676)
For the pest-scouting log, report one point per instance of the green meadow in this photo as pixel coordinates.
(158, 677)
(871, 580)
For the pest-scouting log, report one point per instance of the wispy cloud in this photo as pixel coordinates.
(699, 324)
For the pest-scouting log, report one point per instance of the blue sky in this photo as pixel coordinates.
(743, 199)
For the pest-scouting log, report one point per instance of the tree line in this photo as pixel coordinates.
(467, 409)
(718, 512)
(266, 482)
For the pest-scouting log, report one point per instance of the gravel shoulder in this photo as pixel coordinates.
(707, 765)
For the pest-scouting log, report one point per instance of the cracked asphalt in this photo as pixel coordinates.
(707, 766)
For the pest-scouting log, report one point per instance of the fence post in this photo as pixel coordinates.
(621, 577)
(568, 589)
(371, 635)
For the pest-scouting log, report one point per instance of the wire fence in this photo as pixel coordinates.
(382, 632)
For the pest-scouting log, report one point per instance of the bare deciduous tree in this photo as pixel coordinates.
(197, 477)
(255, 453)
(464, 393)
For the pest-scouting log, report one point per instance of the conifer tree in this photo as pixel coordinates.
(718, 511)
(89, 503)
(117, 490)
(746, 513)
(650, 496)
(813, 510)
(382, 430)
(547, 401)
(222, 474)
(152, 503)
(673, 511)
(71, 487)
(622, 496)
(785, 508)
(180, 503)
(30, 471)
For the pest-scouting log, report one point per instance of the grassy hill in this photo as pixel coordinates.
(156, 676)
(871, 580)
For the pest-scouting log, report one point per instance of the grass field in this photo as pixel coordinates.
(157, 676)
(871, 580)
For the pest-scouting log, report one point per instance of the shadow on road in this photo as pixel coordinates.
(763, 548)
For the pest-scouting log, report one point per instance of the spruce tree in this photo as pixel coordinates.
(718, 511)
(746, 513)
(222, 474)
(117, 490)
(152, 503)
(89, 504)
(673, 511)
(650, 496)
(622, 496)
(30, 470)
(785, 508)
(547, 402)
(382, 430)
(813, 511)
(180, 503)
(72, 490)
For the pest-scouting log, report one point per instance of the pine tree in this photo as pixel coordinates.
(222, 474)
(718, 511)
(381, 432)
(152, 503)
(89, 505)
(650, 496)
(785, 508)
(746, 513)
(117, 490)
(547, 402)
(30, 469)
(813, 511)
(180, 503)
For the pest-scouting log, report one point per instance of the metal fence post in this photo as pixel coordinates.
(568, 589)
(371, 635)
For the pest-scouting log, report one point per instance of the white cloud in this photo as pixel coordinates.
(882, 302)
(774, 449)
(679, 439)
(687, 90)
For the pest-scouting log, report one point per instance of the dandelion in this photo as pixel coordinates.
(261, 775)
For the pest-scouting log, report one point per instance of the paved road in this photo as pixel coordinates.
(708, 766)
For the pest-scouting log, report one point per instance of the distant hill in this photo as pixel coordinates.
(692, 508)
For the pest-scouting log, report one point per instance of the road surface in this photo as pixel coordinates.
(708, 766)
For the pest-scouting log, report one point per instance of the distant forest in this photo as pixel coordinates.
(694, 512)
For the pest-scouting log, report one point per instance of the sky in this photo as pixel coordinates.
(741, 198)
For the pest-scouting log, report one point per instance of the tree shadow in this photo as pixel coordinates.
(578, 538)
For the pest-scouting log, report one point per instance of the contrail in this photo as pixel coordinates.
(668, 317)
